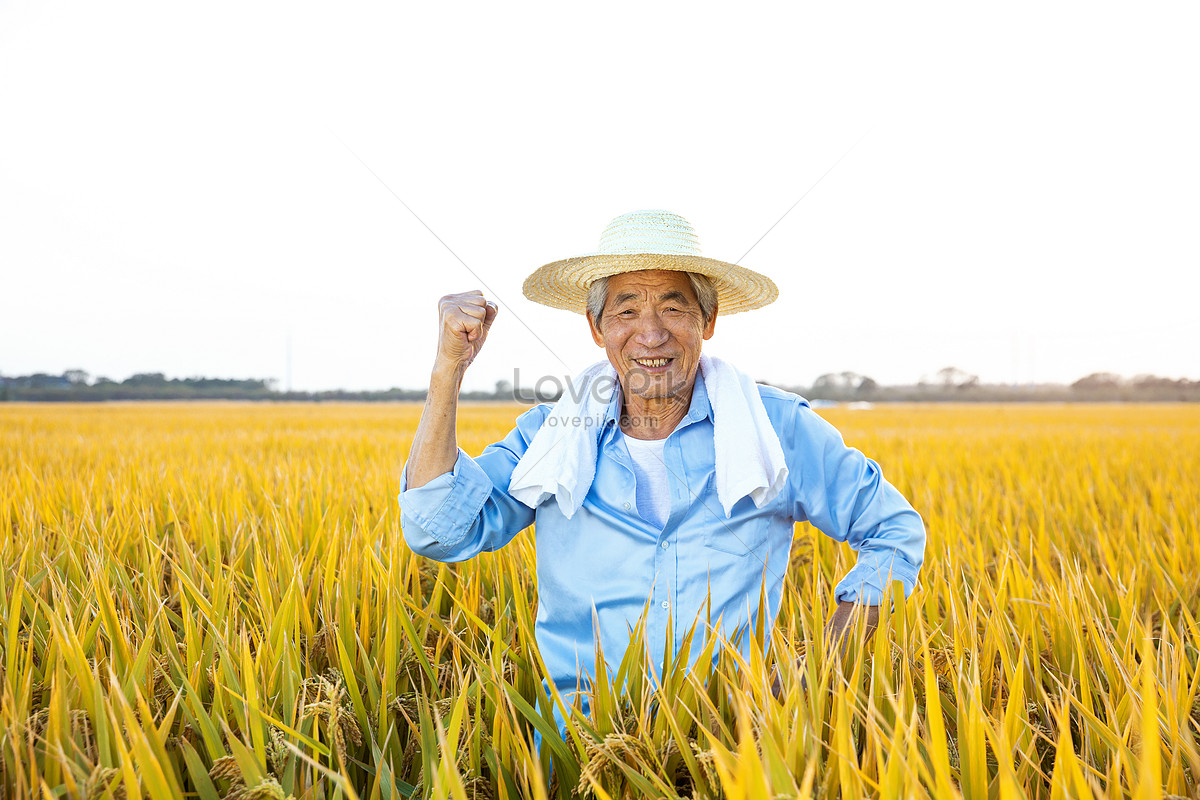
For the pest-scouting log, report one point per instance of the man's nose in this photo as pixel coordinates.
(651, 332)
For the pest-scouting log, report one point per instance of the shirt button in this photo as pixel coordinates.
(666, 603)
(627, 506)
(665, 545)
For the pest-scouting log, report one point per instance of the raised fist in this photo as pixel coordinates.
(466, 319)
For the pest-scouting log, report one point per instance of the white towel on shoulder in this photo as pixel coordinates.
(561, 459)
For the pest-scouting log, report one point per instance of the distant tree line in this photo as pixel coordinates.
(953, 384)
(947, 384)
(74, 385)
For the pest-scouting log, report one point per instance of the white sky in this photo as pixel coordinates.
(174, 196)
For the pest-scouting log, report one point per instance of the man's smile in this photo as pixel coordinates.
(653, 363)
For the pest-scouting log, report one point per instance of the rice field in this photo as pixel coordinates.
(216, 601)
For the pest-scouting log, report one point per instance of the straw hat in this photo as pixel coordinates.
(640, 240)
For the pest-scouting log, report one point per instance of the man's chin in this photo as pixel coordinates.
(659, 386)
(658, 390)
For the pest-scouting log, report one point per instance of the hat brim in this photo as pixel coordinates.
(564, 284)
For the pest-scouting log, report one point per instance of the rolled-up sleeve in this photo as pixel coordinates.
(468, 510)
(844, 494)
(437, 516)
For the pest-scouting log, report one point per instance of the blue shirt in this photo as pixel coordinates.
(610, 562)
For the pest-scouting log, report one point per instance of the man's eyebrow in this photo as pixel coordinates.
(625, 297)
(674, 296)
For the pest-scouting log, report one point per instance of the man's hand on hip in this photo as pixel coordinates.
(838, 630)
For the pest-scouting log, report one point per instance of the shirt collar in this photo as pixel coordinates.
(700, 407)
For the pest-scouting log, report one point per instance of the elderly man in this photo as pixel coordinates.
(664, 482)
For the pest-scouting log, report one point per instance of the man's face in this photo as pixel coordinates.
(651, 328)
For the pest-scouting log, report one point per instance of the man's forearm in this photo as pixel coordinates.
(841, 623)
(435, 444)
(837, 631)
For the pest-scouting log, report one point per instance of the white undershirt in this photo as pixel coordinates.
(650, 472)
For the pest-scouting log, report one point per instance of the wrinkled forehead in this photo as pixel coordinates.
(650, 283)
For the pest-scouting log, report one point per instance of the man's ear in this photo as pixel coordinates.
(596, 337)
(712, 324)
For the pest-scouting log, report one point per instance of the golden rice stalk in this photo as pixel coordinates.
(185, 580)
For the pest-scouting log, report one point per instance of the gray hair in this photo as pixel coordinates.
(702, 286)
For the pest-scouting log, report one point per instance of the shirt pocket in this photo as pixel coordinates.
(737, 537)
